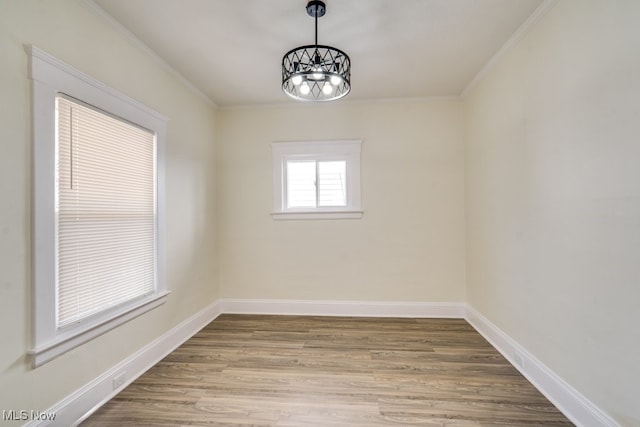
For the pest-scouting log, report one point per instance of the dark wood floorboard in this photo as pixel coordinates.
(331, 371)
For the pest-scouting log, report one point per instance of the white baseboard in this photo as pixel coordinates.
(568, 400)
(343, 308)
(79, 405)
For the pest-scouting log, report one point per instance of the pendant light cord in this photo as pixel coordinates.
(316, 15)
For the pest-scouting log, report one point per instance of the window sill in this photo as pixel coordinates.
(64, 343)
(292, 215)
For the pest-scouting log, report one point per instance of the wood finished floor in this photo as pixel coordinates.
(327, 371)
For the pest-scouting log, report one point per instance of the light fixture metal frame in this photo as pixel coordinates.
(316, 72)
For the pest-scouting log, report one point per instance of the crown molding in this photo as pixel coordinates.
(136, 42)
(522, 30)
(343, 102)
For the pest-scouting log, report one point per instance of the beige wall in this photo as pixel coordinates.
(75, 35)
(553, 198)
(409, 245)
(550, 172)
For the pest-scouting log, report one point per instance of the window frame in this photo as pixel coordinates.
(318, 151)
(49, 78)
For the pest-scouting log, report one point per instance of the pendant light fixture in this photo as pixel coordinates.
(316, 72)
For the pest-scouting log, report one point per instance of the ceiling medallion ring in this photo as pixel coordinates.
(316, 72)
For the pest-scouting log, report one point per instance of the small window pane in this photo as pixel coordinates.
(301, 184)
(332, 183)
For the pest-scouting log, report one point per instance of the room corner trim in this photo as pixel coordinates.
(138, 43)
(519, 34)
(568, 400)
(343, 308)
(83, 402)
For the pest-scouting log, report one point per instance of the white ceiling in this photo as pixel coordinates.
(231, 50)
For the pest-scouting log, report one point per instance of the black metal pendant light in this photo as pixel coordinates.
(316, 72)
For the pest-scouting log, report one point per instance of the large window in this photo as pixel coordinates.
(98, 208)
(316, 179)
(105, 211)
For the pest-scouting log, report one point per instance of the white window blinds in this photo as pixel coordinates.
(301, 184)
(105, 211)
(332, 183)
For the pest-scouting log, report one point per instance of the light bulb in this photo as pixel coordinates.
(327, 88)
(317, 73)
(304, 88)
(297, 79)
(336, 80)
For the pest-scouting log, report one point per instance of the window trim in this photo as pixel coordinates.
(49, 77)
(348, 150)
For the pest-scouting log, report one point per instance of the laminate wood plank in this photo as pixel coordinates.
(327, 371)
(471, 410)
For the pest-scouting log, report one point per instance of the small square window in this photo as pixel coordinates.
(315, 183)
(316, 179)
